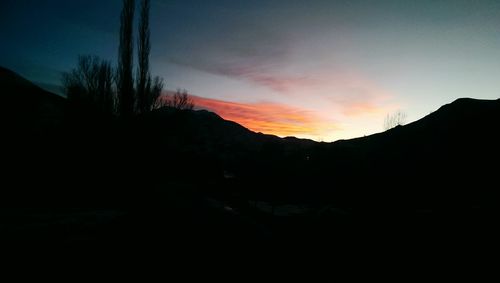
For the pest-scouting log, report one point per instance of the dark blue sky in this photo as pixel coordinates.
(327, 69)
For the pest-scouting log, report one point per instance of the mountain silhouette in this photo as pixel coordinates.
(417, 164)
(448, 156)
(204, 175)
(453, 145)
(27, 105)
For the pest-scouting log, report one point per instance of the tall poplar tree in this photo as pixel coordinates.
(125, 84)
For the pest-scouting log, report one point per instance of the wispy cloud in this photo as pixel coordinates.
(260, 75)
(357, 96)
(258, 56)
(271, 118)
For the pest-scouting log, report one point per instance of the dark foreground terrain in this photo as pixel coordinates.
(179, 180)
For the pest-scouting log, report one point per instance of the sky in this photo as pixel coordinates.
(324, 70)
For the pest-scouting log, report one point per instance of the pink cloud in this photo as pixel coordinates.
(357, 96)
(257, 73)
(281, 83)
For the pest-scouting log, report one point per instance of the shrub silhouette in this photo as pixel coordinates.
(396, 119)
(179, 100)
(90, 84)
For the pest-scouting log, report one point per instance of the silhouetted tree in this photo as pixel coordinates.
(106, 94)
(143, 50)
(395, 119)
(181, 100)
(153, 98)
(92, 81)
(162, 101)
(125, 85)
(90, 84)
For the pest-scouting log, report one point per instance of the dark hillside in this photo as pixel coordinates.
(82, 179)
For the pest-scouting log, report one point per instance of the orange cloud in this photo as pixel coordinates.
(361, 108)
(270, 118)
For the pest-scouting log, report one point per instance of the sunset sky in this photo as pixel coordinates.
(324, 70)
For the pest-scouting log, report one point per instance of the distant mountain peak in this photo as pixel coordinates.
(27, 105)
(10, 79)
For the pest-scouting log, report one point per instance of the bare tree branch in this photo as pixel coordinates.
(90, 84)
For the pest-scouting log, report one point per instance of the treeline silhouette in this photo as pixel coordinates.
(103, 151)
(94, 86)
